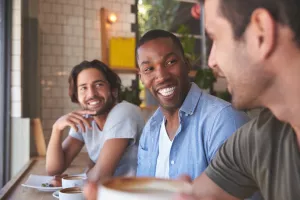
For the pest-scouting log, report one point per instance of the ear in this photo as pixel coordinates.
(140, 76)
(264, 32)
(115, 93)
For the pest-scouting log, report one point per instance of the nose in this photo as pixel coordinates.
(90, 92)
(212, 62)
(162, 73)
(211, 59)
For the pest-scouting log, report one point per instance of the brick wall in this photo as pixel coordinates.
(70, 33)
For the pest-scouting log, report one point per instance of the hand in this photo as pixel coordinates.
(73, 119)
(185, 197)
(182, 196)
(90, 191)
(185, 178)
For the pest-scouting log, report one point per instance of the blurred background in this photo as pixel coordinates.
(42, 40)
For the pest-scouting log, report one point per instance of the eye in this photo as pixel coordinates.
(99, 84)
(82, 89)
(148, 69)
(171, 62)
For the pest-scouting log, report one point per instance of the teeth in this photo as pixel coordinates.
(167, 91)
(94, 102)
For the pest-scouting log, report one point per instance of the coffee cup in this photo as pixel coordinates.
(73, 181)
(73, 193)
(139, 188)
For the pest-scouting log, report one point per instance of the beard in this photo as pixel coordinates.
(105, 108)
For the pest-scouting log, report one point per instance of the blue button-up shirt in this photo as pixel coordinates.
(205, 123)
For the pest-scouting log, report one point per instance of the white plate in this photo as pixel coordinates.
(56, 194)
(36, 181)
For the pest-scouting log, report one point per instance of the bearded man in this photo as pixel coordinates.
(109, 129)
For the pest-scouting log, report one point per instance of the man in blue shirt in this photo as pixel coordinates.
(190, 125)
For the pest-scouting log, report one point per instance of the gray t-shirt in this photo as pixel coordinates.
(262, 155)
(125, 120)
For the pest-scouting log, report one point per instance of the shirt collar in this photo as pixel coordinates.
(190, 103)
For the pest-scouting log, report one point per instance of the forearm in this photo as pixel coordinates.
(94, 174)
(55, 161)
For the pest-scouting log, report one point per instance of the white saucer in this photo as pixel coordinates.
(36, 181)
(55, 194)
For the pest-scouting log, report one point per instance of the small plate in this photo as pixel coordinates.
(36, 181)
(56, 194)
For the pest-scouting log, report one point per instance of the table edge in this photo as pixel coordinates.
(10, 185)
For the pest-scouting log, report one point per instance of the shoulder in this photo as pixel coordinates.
(264, 131)
(125, 113)
(216, 109)
(265, 128)
(156, 118)
(125, 110)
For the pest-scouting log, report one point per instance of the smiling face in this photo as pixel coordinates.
(240, 61)
(94, 92)
(164, 71)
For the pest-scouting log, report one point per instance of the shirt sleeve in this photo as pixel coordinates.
(127, 128)
(231, 167)
(225, 124)
(76, 135)
(124, 122)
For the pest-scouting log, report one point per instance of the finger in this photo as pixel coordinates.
(185, 178)
(85, 112)
(90, 191)
(72, 124)
(77, 120)
(184, 197)
(82, 119)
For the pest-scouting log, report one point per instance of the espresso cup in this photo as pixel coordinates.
(138, 188)
(73, 193)
(73, 181)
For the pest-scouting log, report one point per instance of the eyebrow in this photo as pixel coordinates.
(147, 62)
(97, 81)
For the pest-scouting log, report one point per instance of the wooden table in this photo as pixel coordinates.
(14, 191)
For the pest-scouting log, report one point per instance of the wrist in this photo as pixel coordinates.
(55, 128)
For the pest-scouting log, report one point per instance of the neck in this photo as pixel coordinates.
(284, 96)
(101, 119)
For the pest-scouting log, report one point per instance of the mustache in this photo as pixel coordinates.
(95, 98)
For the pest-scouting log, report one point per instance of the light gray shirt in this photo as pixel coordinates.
(125, 120)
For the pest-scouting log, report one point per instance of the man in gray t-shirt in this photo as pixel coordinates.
(123, 121)
(109, 129)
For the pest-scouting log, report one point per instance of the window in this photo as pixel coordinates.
(5, 58)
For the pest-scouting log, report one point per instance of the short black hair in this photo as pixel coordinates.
(238, 13)
(158, 33)
(112, 78)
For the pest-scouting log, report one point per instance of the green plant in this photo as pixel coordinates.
(188, 43)
(205, 79)
(131, 95)
(156, 14)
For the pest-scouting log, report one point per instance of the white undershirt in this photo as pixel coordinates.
(164, 147)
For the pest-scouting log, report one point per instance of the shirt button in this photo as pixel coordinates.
(172, 162)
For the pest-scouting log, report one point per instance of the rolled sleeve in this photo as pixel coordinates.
(124, 129)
